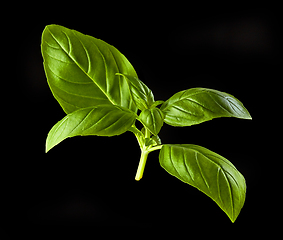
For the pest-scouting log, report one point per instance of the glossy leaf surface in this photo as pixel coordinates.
(209, 172)
(152, 119)
(81, 70)
(141, 94)
(197, 105)
(102, 120)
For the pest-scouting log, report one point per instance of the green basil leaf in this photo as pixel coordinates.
(197, 105)
(152, 119)
(209, 172)
(81, 70)
(102, 120)
(141, 94)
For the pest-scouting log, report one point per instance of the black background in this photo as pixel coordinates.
(89, 181)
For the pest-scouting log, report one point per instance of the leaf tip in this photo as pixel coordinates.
(233, 219)
(48, 144)
(47, 147)
(248, 115)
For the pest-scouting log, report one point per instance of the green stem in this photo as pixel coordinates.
(139, 174)
(145, 150)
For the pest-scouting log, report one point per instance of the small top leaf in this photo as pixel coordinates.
(102, 120)
(140, 93)
(197, 105)
(152, 119)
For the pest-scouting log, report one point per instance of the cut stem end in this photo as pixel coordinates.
(139, 174)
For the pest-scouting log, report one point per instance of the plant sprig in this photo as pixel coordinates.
(101, 94)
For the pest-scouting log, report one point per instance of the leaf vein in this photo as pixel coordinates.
(225, 109)
(230, 193)
(201, 173)
(80, 83)
(69, 43)
(191, 100)
(56, 130)
(182, 110)
(116, 121)
(61, 99)
(185, 164)
(79, 95)
(172, 163)
(218, 185)
(235, 106)
(59, 59)
(221, 159)
(86, 52)
(51, 46)
(104, 62)
(119, 77)
(80, 123)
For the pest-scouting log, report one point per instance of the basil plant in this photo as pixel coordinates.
(101, 94)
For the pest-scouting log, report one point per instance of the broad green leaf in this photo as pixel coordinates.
(152, 119)
(209, 172)
(81, 70)
(101, 120)
(141, 94)
(197, 105)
